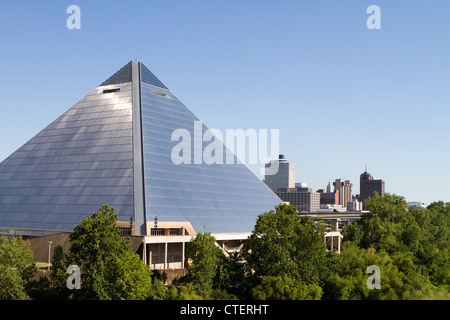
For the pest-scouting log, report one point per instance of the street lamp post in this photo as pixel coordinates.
(49, 249)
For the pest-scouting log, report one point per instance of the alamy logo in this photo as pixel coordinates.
(374, 281)
(74, 20)
(374, 21)
(74, 280)
(190, 150)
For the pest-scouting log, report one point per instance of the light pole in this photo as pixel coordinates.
(49, 249)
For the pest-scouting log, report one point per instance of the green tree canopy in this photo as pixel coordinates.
(416, 240)
(205, 256)
(399, 276)
(282, 243)
(17, 266)
(284, 287)
(109, 268)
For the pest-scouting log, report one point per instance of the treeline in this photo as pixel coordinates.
(285, 258)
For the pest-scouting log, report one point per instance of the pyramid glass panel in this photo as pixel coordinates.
(114, 147)
(68, 170)
(218, 198)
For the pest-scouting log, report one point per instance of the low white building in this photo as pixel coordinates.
(416, 204)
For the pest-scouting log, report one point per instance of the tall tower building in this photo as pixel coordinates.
(368, 185)
(284, 177)
(329, 187)
(344, 188)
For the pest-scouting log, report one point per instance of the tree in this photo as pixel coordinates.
(59, 275)
(284, 287)
(389, 225)
(109, 268)
(228, 277)
(186, 292)
(282, 243)
(413, 243)
(133, 277)
(17, 266)
(205, 256)
(433, 251)
(382, 225)
(400, 278)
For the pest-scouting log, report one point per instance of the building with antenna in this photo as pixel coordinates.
(284, 177)
(368, 185)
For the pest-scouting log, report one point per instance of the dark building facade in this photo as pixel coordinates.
(368, 185)
(328, 197)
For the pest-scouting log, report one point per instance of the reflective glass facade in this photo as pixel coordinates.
(89, 156)
(217, 197)
(68, 170)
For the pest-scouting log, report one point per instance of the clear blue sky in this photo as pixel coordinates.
(340, 94)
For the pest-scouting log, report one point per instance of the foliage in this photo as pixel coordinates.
(205, 256)
(284, 287)
(17, 266)
(187, 292)
(53, 287)
(158, 290)
(229, 277)
(421, 234)
(284, 258)
(433, 252)
(133, 277)
(399, 276)
(109, 269)
(59, 274)
(283, 243)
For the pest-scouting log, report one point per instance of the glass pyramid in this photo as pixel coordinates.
(114, 146)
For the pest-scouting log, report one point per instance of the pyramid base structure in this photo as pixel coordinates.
(163, 251)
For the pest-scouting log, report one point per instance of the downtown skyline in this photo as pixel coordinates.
(341, 95)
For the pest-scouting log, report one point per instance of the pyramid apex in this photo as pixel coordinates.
(148, 77)
(125, 74)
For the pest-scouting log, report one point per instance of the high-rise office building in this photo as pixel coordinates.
(284, 177)
(328, 197)
(345, 191)
(368, 185)
(305, 199)
(115, 146)
(341, 195)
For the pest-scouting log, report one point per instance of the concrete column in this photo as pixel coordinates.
(138, 163)
(165, 255)
(339, 244)
(182, 254)
(144, 252)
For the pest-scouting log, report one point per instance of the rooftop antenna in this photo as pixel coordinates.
(366, 167)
